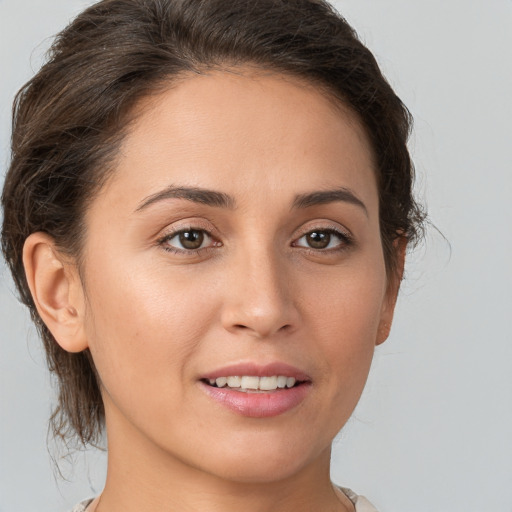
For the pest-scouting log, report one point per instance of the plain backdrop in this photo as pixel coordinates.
(433, 431)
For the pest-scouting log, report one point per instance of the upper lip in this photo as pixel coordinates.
(258, 370)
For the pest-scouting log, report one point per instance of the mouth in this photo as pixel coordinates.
(257, 391)
(254, 384)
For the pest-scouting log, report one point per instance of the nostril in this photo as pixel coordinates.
(245, 319)
(263, 332)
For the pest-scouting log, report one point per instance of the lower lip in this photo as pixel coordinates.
(260, 404)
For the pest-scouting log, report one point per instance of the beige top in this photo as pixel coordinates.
(360, 502)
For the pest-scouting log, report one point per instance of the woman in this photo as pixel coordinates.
(207, 212)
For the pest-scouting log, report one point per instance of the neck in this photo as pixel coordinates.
(141, 476)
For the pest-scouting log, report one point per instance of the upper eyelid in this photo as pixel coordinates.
(163, 242)
(168, 235)
(326, 230)
(344, 237)
(175, 231)
(213, 232)
(342, 231)
(187, 225)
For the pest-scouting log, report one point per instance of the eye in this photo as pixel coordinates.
(322, 239)
(188, 240)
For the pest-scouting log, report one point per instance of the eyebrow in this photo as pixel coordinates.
(222, 200)
(328, 196)
(195, 194)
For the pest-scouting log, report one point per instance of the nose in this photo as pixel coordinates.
(260, 301)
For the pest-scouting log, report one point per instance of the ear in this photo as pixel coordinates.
(393, 285)
(57, 291)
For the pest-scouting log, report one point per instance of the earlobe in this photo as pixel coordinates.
(56, 290)
(388, 308)
(382, 333)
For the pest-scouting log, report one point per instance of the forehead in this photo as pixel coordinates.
(235, 130)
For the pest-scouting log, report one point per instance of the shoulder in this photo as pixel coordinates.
(360, 502)
(81, 507)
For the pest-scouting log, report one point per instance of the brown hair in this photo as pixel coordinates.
(69, 119)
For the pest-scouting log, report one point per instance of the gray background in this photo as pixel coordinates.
(433, 430)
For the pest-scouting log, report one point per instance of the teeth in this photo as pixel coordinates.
(268, 383)
(250, 382)
(281, 381)
(234, 382)
(221, 382)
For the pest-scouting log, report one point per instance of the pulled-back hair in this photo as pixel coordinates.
(69, 120)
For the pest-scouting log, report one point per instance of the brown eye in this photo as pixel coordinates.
(188, 240)
(191, 239)
(320, 239)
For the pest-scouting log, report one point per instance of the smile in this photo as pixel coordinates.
(257, 391)
(254, 384)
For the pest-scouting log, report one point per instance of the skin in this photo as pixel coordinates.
(156, 320)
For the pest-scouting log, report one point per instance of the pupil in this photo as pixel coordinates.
(191, 239)
(318, 239)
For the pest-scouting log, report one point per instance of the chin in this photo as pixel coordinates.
(258, 473)
(264, 463)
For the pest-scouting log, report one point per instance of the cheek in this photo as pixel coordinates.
(345, 318)
(141, 323)
(347, 304)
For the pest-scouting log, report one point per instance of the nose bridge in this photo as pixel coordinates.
(259, 300)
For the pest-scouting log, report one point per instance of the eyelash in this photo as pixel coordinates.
(345, 241)
(164, 242)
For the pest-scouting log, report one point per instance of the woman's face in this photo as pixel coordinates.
(238, 237)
